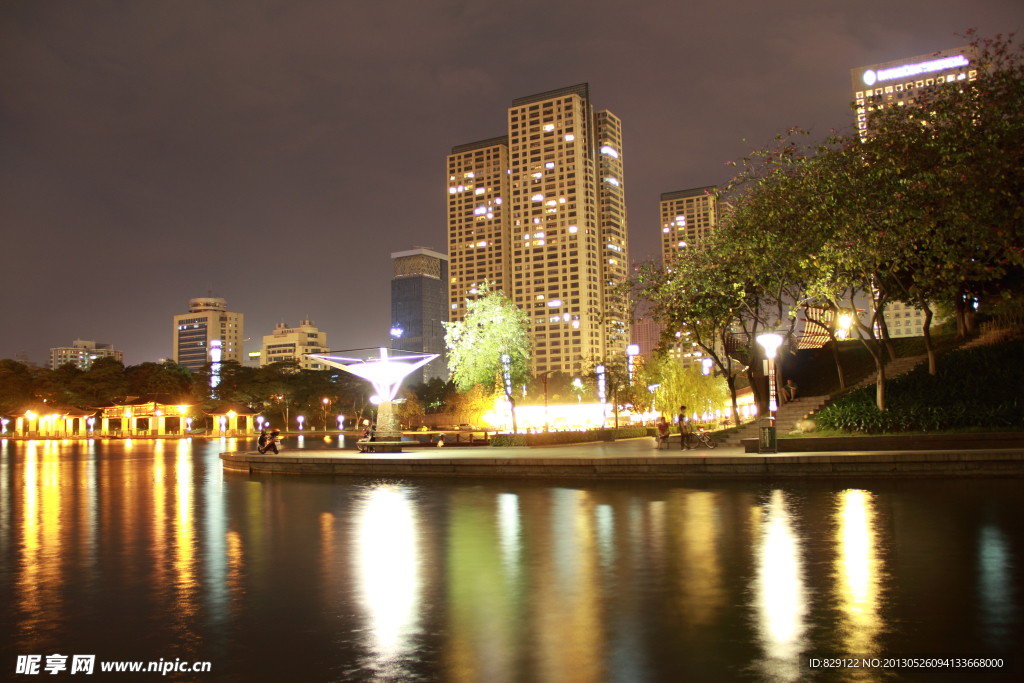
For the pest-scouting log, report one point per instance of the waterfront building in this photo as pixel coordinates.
(541, 213)
(145, 415)
(900, 82)
(252, 358)
(208, 333)
(687, 218)
(419, 304)
(232, 419)
(48, 420)
(82, 353)
(293, 343)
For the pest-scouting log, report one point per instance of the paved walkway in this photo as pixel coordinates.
(632, 458)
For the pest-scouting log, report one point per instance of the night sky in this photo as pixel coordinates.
(278, 152)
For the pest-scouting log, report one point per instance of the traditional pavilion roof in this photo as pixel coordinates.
(160, 399)
(236, 408)
(52, 409)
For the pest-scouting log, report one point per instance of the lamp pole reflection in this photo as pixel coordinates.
(857, 570)
(387, 557)
(781, 598)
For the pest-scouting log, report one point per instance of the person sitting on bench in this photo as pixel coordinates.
(663, 429)
(789, 391)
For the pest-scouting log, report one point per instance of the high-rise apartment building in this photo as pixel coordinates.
(293, 343)
(208, 333)
(901, 82)
(687, 217)
(419, 304)
(541, 213)
(82, 353)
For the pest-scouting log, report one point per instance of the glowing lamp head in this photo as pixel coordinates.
(30, 415)
(326, 401)
(396, 332)
(182, 410)
(376, 400)
(633, 350)
(770, 342)
(231, 414)
(706, 365)
(300, 419)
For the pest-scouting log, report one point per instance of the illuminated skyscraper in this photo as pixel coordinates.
(208, 320)
(901, 82)
(687, 217)
(541, 213)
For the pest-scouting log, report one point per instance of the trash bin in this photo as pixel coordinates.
(767, 442)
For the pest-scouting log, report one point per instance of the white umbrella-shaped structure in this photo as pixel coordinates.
(383, 368)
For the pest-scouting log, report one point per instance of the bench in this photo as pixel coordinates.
(664, 443)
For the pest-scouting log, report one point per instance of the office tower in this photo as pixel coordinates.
(419, 304)
(293, 343)
(687, 217)
(82, 353)
(208, 333)
(901, 82)
(541, 213)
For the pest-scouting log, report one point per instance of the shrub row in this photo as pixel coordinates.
(976, 387)
(556, 438)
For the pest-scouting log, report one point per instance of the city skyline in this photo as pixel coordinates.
(282, 146)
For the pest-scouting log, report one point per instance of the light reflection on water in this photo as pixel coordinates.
(781, 594)
(150, 550)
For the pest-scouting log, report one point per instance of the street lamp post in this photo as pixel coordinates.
(652, 388)
(544, 381)
(770, 342)
(327, 402)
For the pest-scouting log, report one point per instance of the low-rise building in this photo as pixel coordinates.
(293, 343)
(82, 353)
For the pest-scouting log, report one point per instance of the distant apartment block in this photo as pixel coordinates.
(82, 353)
(687, 218)
(646, 334)
(208, 333)
(541, 213)
(293, 343)
(419, 304)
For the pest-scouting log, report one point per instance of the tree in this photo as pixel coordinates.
(681, 386)
(493, 327)
(700, 297)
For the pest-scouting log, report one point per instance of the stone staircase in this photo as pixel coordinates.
(785, 419)
(892, 369)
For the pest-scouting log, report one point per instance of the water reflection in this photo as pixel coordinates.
(387, 570)
(184, 559)
(508, 523)
(995, 585)
(858, 571)
(781, 597)
(151, 546)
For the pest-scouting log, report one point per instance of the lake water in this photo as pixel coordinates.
(150, 551)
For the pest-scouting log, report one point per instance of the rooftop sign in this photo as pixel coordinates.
(909, 70)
